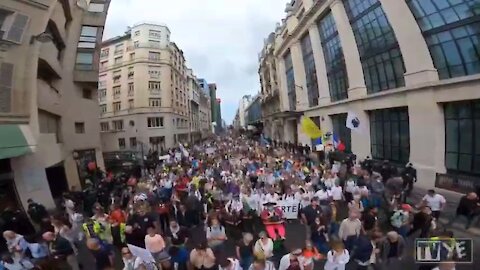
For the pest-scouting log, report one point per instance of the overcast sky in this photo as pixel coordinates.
(221, 39)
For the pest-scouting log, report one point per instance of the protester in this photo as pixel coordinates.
(202, 258)
(468, 207)
(392, 250)
(263, 248)
(130, 262)
(102, 254)
(262, 264)
(350, 226)
(15, 263)
(61, 250)
(244, 250)
(292, 261)
(337, 257)
(435, 201)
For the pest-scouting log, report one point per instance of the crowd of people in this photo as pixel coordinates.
(220, 204)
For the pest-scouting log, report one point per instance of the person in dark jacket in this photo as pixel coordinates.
(409, 176)
(469, 207)
(361, 250)
(61, 250)
(36, 211)
(422, 221)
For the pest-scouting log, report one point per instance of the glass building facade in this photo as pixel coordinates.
(334, 59)
(382, 61)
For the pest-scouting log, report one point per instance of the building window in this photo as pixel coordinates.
(116, 92)
(154, 122)
(102, 93)
(152, 85)
(131, 73)
(292, 96)
(96, 7)
(88, 37)
(117, 125)
(380, 55)
(310, 71)
(334, 60)
(390, 134)
(132, 56)
(86, 93)
(131, 104)
(137, 33)
(104, 127)
(121, 143)
(103, 108)
(452, 31)
(154, 33)
(84, 61)
(155, 102)
(341, 131)
(118, 60)
(118, 49)
(155, 56)
(104, 53)
(154, 73)
(79, 127)
(133, 142)
(131, 89)
(116, 76)
(154, 43)
(117, 106)
(462, 136)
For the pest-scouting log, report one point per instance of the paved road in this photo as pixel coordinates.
(296, 236)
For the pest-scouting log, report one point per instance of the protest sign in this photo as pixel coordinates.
(142, 253)
(289, 208)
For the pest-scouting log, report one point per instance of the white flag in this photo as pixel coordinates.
(353, 122)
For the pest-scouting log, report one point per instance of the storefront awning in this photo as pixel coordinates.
(15, 140)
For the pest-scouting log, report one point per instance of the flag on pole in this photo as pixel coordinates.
(353, 122)
(184, 151)
(310, 128)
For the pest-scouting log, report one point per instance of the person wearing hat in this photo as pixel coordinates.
(272, 218)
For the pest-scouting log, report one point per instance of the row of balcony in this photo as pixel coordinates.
(143, 59)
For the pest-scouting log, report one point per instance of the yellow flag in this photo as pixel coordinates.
(310, 128)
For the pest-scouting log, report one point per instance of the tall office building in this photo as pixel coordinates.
(408, 70)
(146, 92)
(49, 128)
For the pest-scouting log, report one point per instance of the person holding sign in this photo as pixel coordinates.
(273, 220)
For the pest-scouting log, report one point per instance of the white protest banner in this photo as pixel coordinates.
(289, 208)
(142, 253)
(165, 157)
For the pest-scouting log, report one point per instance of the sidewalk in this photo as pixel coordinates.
(449, 213)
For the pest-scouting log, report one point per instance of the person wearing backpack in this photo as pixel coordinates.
(216, 235)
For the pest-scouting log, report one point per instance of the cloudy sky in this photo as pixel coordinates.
(220, 38)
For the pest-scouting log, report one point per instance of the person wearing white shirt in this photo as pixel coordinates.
(435, 201)
(337, 258)
(271, 197)
(337, 193)
(230, 264)
(293, 259)
(323, 194)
